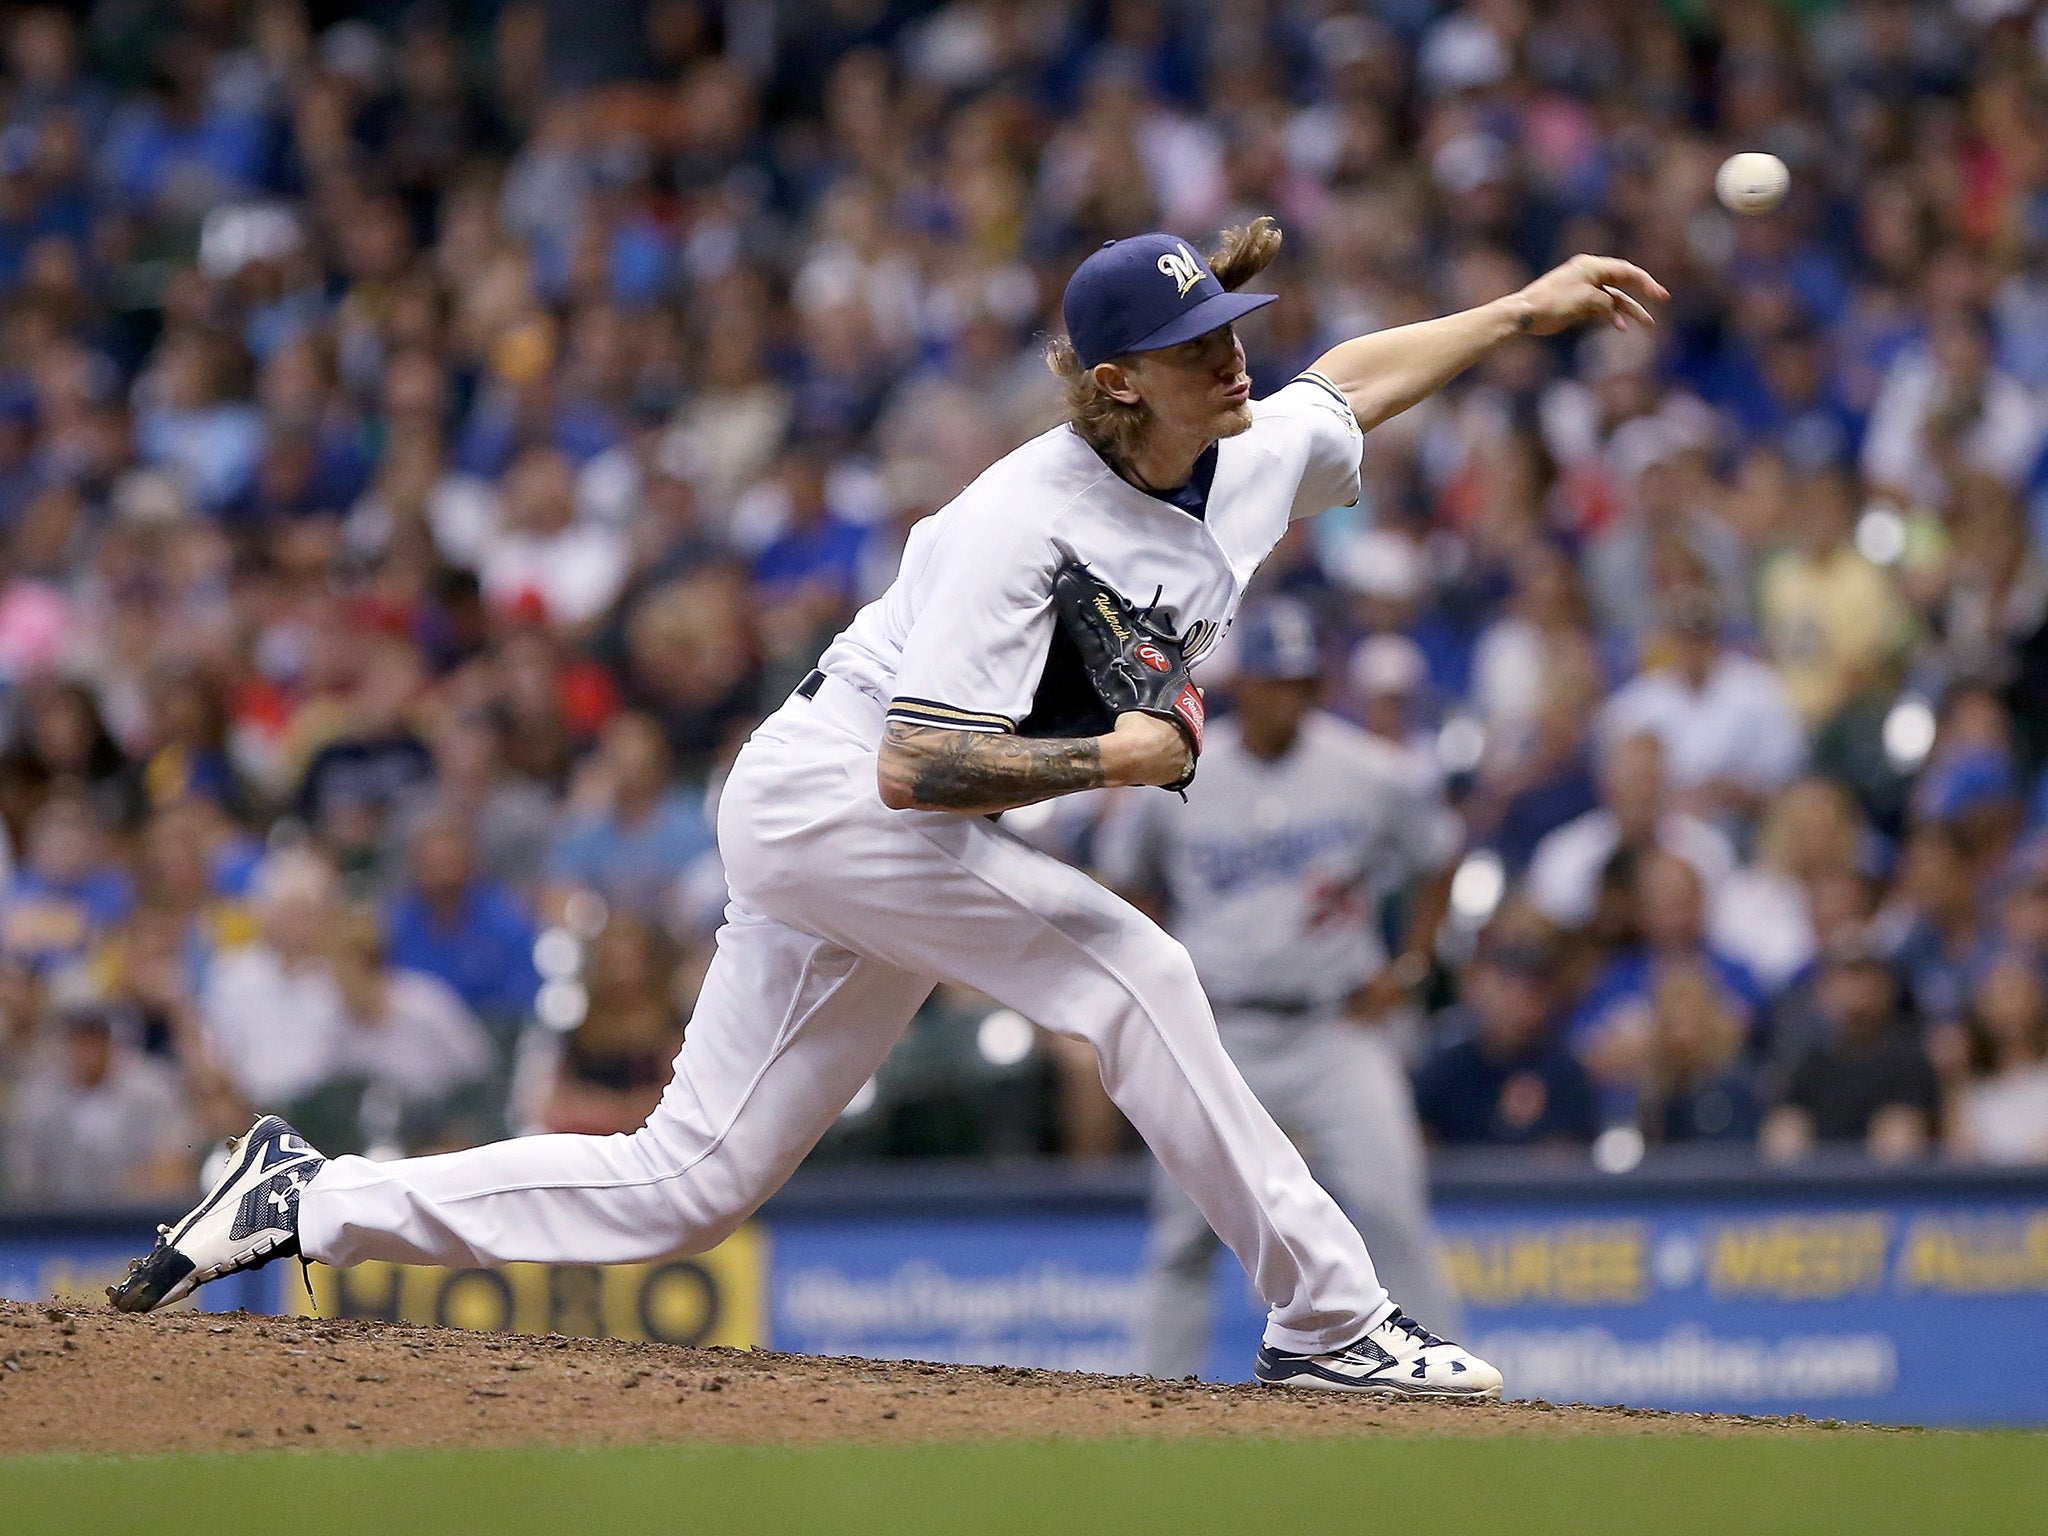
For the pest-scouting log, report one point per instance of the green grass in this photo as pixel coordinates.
(1812, 1486)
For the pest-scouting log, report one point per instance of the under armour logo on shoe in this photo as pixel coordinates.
(286, 1193)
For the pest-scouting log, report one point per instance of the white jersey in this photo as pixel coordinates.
(1275, 870)
(962, 637)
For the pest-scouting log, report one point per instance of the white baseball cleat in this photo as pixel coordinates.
(1399, 1358)
(249, 1218)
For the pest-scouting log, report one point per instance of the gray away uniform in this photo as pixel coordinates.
(1274, 874)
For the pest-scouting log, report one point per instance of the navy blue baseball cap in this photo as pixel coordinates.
(1277, 640)
(1145, 293)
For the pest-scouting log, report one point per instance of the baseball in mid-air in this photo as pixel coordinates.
(1751, 182)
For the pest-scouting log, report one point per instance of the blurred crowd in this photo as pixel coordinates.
(432, 434)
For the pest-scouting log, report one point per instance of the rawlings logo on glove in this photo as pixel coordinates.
(1193, 715)
(1132, 663)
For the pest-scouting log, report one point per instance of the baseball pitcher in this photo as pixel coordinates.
(864, 869)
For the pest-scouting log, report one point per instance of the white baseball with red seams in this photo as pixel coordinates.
(844, 914)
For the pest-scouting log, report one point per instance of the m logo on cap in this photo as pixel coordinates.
(1180, 265)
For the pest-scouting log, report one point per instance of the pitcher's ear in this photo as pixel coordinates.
(1114, 380)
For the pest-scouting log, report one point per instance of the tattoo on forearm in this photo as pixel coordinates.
(980, 771)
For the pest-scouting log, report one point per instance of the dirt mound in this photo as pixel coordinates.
(90, 1379)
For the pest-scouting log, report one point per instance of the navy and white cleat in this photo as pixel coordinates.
(1400, 1358)
(249, 1218)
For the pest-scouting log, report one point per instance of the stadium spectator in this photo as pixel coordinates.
(1730, 737)
(634, 834)
(70, 892)
(368, 755)
(193, 888)
(1868, 1082)
(811, 562)
(409, 1042)
(1390, 677)
(1999, 1111)
(1810, 834)
(1833, 622)
(1697, 1086)
(60, 735)
(272, 1015)
(614, 1065)
(543, 558)
(1635, 815)
(94, 1122)
(468, 932)
(1932, 928)
(1613, 1027)
(693, 660)
(1545, 630)
(1671, 535)
(1529, 790)
(185, 751)
(1501, 1076)
(1973, 796)
(1945, 408)
(511, 817)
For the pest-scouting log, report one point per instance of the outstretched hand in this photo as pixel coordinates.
(1590, 288)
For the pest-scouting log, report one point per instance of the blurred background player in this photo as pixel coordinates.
(1276, 875)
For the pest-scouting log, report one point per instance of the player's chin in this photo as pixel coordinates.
(1232, 419)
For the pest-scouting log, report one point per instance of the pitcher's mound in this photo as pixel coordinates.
(91, 1379)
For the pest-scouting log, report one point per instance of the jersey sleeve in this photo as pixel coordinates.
(1330, 442)
(978, 641)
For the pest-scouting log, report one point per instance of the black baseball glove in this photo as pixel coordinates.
(1130, 662)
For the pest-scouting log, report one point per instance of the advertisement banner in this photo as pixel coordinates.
(1857, 1311)
(713, 1298)
(1060, 1291)
(1830, 1310)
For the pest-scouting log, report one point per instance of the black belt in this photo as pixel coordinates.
(1285, 1007)
(808, 688)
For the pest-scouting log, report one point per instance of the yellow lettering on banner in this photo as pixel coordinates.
(1583, 1264)
(1976, 1256)
(1799, 1258)
(712, 1298)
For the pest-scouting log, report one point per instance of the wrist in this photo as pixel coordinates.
(1119, 760)
(1517, 314)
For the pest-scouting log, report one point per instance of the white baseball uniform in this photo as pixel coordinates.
(1274, 873)
(844, 914)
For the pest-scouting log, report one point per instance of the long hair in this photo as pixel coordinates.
(1112, 426)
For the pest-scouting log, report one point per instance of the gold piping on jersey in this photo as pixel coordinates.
(946, 717)
(1316, 378)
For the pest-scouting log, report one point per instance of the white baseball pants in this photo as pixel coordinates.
(1340, 1090)
(844, 915)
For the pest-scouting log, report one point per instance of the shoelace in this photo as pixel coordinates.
(1406, 1324)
